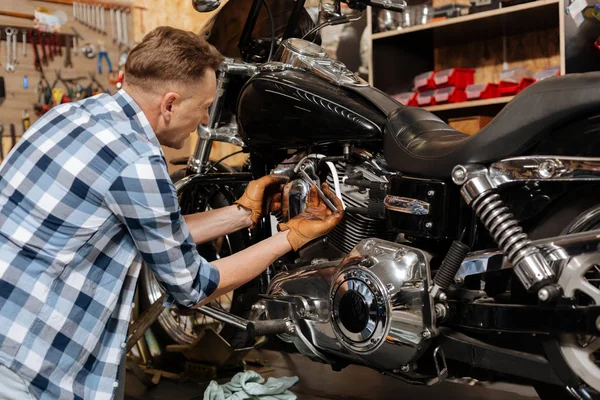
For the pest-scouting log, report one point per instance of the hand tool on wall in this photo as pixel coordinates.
(75, 46)
(13, 136)
(68, 62)
(25, 82)
(14, 47)
(113, 33)
(103, 19)
(75, 11)
(48, 43)
(9, 33)
(118, 20)
(1, 146)
(41, 42)
(36, 57)
(58, 46)
(125, 29)
(102, 53)
(24, 33)
(25, 120)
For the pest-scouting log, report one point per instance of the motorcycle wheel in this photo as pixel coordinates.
(173, 328)
(578, 212)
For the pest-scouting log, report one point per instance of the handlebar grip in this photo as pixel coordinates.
(389, 5)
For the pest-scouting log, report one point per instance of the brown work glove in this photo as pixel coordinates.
(263, 194)
(315, 221)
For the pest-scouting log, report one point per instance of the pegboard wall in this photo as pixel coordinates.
(22, 84)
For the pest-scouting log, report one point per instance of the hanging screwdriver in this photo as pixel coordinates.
(25, 119)
(13, 136)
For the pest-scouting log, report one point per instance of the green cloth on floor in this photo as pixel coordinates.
(250, 385)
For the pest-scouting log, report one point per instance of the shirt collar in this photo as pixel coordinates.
(135, 114)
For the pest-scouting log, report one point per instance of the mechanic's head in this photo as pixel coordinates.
(171, 74)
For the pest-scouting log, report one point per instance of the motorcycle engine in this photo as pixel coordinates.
(372, 307)
(354, 227)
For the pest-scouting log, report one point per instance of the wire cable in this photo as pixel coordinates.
(272, 23)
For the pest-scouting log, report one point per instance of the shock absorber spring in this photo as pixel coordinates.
(503, 227)
(480, 193)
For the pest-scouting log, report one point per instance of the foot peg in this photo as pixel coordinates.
(254, 328)
(269, 327)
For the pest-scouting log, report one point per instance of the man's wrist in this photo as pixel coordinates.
(244, 214)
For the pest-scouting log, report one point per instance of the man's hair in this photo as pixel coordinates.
(168, 54)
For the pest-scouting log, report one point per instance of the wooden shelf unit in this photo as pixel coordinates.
(535, 35)
(469, 104)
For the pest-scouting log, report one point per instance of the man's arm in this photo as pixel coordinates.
(144, 199)
(247, 211)
(212, 224)
(247, 264)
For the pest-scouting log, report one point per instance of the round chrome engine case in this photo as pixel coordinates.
(380, 307)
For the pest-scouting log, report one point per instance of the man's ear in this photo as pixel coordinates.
(167, 104)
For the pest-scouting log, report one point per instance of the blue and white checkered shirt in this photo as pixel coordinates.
(85, 197)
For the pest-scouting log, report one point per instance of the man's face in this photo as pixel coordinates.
(188, 111)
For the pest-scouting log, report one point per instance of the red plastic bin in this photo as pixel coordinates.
(407, 98)
(457, 77)
(482, 91)
(426, 98)
(450, 95)
(424, 81)
(524, 83)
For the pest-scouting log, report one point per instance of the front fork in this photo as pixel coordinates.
(199, 162)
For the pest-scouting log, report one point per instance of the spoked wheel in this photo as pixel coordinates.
(580, 279)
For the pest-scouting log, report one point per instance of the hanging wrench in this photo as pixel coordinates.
(119, 33)
(9, 33)
(14, 47)
(102, 19)
(113, 34)
(24, 32)
(125, 29)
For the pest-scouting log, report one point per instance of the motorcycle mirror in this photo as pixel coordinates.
(205, 6)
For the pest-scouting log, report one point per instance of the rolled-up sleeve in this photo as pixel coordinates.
(144, 199)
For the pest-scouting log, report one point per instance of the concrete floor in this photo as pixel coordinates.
(319, 382)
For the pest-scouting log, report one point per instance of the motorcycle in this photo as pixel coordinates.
(458, 256)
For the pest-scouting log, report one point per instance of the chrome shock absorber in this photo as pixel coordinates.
(532, 269)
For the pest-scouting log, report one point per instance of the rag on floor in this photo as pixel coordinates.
(250, 385)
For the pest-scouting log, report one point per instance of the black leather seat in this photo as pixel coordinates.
(417, 142)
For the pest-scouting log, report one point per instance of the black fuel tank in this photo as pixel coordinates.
(291, 109)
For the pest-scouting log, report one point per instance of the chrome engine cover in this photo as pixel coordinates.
(372, 307)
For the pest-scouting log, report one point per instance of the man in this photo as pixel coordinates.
(85, 197)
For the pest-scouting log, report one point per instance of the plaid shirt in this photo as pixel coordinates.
(85, 196)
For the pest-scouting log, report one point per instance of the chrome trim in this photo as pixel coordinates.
(555, 168)
(406, 205)
(554, 249)
(299, 53)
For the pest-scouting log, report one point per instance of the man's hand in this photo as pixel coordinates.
(315, 221)
(263, 194)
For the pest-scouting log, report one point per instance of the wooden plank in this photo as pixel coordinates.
(467, 18)
(469, 104)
